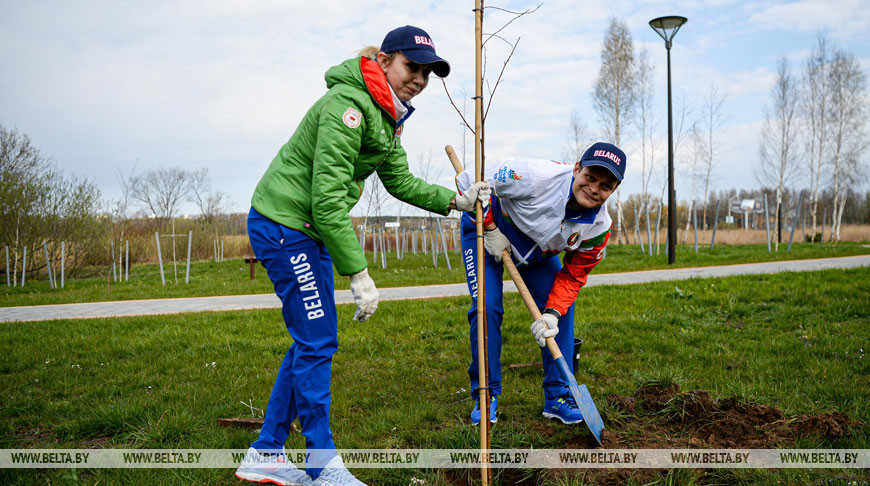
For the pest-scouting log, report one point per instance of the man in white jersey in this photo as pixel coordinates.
(540, 208)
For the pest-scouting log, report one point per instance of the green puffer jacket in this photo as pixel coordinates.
(319, 174)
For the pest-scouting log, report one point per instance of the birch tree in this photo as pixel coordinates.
(694, 167)
(711, 123)
(815, 113)
(645, 121)
(579, 138)
(848, 110)
(161, 191)
(777, 139)
(615, 94)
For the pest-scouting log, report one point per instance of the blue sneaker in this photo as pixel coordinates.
(493, 405)
(563, 408)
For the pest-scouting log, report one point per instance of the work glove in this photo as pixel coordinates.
(496, 243)
(477, 191)
(546, 326)
(365, 294)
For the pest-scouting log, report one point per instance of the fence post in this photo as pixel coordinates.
(443, 244)
(160, 258)
(434, 247)
(766, 223)
(8, 280)
(127, 260)
(797, 215)
(715, 224)
(189, 240)
(384, 249)
(24, 266)
(62, 262)
(637, 229)
(112, 247)
(658, 220)
(48, 265)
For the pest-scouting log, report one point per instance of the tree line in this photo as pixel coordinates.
(39, 203)
(813, 136)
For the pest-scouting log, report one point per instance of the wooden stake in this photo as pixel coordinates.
(482, 345)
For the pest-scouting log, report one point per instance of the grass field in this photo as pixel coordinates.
(794, 341)
(231, 277)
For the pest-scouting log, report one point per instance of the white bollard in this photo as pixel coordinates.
(160, 259)
(48, 265)
(187, 274)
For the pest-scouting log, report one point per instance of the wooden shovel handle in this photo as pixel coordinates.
(512, 269)
(451, 154)
(527, 298)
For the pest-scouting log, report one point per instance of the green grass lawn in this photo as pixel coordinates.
(231, 277)
(795, 341)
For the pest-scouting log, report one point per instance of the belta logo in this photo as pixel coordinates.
(352, 118)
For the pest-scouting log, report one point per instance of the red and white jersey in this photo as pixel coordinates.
(532, 196)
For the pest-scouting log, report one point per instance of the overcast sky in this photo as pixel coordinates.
(101, 86)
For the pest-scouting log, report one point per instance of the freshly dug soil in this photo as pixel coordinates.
(670, 418)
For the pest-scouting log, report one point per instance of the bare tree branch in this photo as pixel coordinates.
(498, 80)
(516, 14)
(461, 115)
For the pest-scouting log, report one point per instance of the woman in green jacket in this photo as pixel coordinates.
(299, 227)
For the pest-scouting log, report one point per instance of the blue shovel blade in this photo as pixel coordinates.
(584, 400)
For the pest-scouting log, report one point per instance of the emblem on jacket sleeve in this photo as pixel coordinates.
(352, 118)
(573, 239)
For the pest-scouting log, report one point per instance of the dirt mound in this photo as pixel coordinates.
(675, 418)
(659, 415)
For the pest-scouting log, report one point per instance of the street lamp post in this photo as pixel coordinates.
(667, 28)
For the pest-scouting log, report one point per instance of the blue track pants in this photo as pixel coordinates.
(301, 270)
(538, 276)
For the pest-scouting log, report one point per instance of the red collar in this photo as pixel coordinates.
(376, 82)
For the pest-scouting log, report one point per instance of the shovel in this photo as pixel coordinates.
(579, 392)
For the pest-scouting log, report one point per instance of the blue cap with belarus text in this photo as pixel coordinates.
(417, 46)
(605, 155)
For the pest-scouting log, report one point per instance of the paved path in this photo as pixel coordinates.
(270, 301)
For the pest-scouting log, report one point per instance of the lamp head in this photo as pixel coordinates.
(667, 27)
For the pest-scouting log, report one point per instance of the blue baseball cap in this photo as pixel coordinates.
(417, 46)
(606, 155)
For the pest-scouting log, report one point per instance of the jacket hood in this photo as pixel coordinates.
(365, 74)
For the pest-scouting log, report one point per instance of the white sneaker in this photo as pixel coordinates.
(336, 474)
(272, 468)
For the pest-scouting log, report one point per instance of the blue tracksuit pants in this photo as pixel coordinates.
(538, 276)
(301, 270)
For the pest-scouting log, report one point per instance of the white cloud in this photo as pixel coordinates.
(846, 18)
(223, 84)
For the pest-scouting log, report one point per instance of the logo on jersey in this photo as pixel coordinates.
(352, 118)
(504, 174)
(573, 239)
(399, 130)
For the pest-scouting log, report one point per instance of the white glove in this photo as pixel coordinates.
(546, 326)
(477, 191)
(365, 294)
(496, 243)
